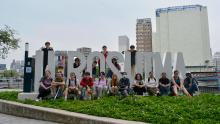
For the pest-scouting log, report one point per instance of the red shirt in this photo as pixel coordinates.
(87, 82)
(105, 55)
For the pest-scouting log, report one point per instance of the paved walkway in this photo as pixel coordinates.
(4, 90)
(8, 119)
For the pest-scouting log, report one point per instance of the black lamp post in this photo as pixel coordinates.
(27, 70)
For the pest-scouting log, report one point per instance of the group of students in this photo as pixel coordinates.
(90, 87)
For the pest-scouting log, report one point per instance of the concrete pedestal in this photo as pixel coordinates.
(30, 96)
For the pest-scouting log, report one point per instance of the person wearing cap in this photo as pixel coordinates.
(133, 54)
(45, 55)
(124, 85)
(190, 84)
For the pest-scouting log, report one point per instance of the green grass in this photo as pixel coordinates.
(203, 109)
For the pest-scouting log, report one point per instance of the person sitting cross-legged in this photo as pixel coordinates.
(58, 85)
(138, 85)
(86, 85)
(45, 85)
(72, 86)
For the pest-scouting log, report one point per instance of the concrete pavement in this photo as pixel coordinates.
(8, 119)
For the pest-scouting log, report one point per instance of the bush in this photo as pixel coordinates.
(199, 109)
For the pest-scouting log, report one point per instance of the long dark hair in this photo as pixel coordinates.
(141, 78)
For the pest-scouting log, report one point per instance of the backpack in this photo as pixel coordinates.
(149, 79)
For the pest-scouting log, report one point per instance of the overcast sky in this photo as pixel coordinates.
(69, 24)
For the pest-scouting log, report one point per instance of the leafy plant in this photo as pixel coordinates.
(7, 41)
(203, 109)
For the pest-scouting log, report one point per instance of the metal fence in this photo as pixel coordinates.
(11, 83)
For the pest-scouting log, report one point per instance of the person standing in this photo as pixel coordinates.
(105, 53)
(45, 50)
(133, 54)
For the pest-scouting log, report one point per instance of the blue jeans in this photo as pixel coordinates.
(192, 89)
(164, 91)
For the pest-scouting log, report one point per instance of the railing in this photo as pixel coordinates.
(11, 83)
(206, 89)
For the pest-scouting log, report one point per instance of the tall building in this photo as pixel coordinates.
(17, 65)
(184, 29)
(144, 35)
(85, 50)
(123, 43)
(2, 67)
(216, 60)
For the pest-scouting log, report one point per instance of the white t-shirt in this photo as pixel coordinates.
(151, 82)
(73, 83)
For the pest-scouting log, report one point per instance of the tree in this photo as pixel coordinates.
(10, 73)
(7, 41)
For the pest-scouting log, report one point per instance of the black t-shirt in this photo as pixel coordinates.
(164, 81)
(123, 82)
(133, 53)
